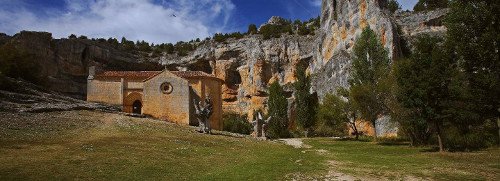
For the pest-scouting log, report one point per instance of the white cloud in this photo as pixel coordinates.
(316, 3)
(168, 21)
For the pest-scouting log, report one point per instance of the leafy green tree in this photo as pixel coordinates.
(473, 35)
(424, 83)
(304, 100)
(425, 5)
(252, 29)
(236, 123)
(393, 6)
(278, 109)
(337, 112)
(370, 69)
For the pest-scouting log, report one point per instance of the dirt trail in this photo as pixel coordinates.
(332, 174)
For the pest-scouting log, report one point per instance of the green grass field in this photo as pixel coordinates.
(87, 145)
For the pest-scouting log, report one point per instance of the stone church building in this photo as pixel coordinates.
(167, 95)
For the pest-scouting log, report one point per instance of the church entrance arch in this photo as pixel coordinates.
(137, 107)
(132, 103)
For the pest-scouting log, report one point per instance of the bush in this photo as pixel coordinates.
(471, 138)
(236, 123)
(274, 31)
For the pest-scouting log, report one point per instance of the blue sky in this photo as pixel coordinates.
(151, 20)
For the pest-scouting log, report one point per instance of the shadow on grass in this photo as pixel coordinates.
(379, 141)
(430, 150)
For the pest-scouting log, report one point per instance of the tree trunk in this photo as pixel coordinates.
(374, 123)
(498, 124)
(355, 129)
(440, 141)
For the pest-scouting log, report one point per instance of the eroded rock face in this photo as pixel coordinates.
(248, 66)
(65, 62)
(342, 22)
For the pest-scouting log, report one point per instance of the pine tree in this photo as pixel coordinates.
(393, 6)
(252, 29)
(425, 5)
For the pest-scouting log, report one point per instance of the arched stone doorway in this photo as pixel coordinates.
(137, 107)
(132, 103)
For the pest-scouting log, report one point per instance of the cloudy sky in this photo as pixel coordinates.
(151, 20)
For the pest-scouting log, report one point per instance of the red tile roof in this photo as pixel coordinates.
(128, 74)
(150, 74)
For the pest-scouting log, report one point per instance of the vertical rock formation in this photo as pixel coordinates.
(342, 22)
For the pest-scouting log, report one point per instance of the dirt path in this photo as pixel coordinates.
(295, 142)
(333, 173)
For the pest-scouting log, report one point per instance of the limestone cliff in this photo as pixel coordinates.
(247, 65)
(342, 21)
(64, 62)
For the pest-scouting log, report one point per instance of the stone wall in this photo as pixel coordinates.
(104, 91)
(174, 106)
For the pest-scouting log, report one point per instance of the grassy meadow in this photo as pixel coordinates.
(86, 145)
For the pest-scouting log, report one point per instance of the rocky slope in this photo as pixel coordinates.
(250, 64)
(64, 62)
(27, 97)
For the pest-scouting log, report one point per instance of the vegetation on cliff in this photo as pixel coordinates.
(427, 5)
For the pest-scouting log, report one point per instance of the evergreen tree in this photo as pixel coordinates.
(393, 6)
(252, 29)
(370, 69)
(425, 5)
(337, 112)
(278, 109)
(304, 101)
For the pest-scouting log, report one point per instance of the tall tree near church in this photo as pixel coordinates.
(370, 69)
(278, 110)
(304, 100)
(423, 85)
(474, 37)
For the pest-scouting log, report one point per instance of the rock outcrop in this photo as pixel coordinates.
(342, 22)
(247, 65)
(64, 62)
(27, 97)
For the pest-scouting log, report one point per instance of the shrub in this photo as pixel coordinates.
(274, 31)
(459, 138)
(236, 123)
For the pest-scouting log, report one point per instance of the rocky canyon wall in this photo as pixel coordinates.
(247, 65)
